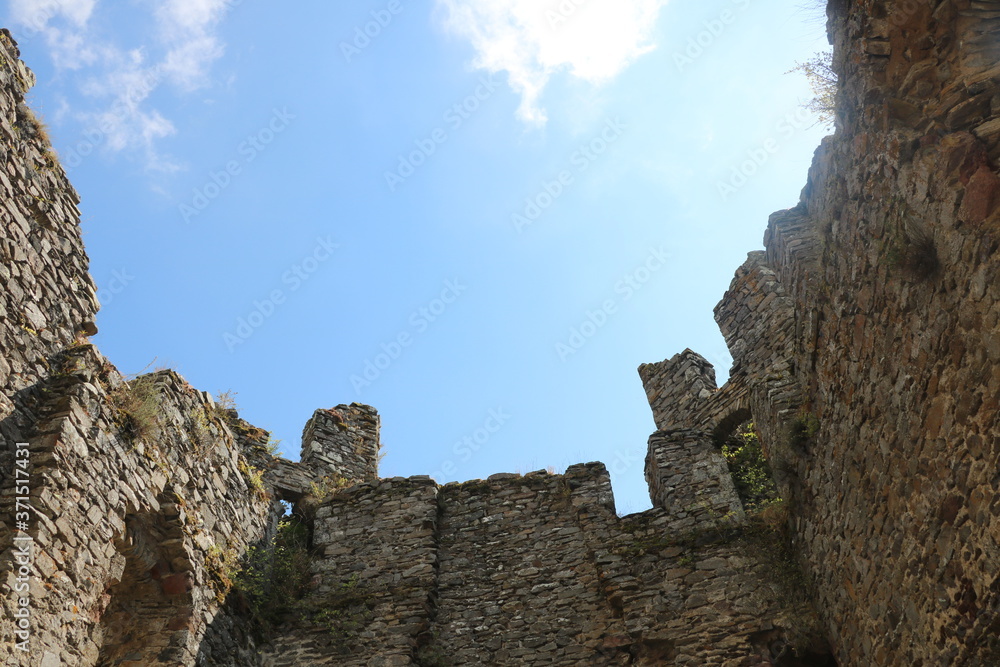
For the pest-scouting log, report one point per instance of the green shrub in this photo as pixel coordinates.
(823, 81)
(253, 477)
(802, 431)
(328, 485)
(274, 576)
(749, 469)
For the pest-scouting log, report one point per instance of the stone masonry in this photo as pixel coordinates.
(866, 347)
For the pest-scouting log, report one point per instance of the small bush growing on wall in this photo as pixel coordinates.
(749, 469)
(274, 576)
(139, 402)
(802, 430)
(253, 477)
(823, 81)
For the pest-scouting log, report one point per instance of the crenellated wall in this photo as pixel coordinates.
(538, 569)
(148, 500)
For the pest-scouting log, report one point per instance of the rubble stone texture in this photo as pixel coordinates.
(866, 347)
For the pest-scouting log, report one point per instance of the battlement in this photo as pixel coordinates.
(677, 387)
(342, 442)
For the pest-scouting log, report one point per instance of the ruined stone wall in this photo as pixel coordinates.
(47, 294)
(538, 569)
(866, 351)
(536, 595)
(342, 444)
(865, 338)
(375, 573)
(906, 382)
(132, 536)
(146, 497)
(134, 519)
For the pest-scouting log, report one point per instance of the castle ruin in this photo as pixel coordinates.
(866, 347)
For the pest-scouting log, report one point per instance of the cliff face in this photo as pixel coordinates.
(866, 345)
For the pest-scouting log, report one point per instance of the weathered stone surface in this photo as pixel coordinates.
(342, 443)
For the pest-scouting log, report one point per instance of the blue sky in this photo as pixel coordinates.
(479, 216)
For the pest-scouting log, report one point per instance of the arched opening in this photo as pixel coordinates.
(150, 608)
(774, 648)
(748, 467)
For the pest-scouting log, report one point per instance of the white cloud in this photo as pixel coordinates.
(187, 26)
(593, 40)
(187, 64)
(192, 15)
(69, 48)
(116, 81)
(36, 14)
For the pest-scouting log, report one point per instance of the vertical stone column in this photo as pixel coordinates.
(342, 442)
(677, 387)
(591, 487)
(686, 473)
(689, 478)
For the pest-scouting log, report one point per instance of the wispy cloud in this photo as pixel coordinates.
(187, 26)
(36, 14)
(593, 40)
(115, 81)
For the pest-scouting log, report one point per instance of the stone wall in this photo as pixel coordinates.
(375, 571)
(538, 569)
(137, 517)
(47, 297)
(342, 444)
(865, 338)
(518, 582)
(147, 497)
(905, 380)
